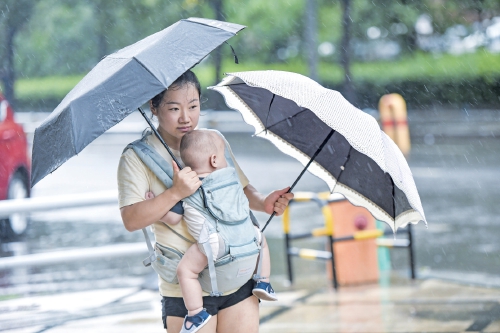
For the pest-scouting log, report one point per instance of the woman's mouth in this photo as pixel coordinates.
(184, 129)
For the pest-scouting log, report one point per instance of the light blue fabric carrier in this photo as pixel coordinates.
(222, 202)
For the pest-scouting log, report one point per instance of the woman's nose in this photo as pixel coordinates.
(184, 116)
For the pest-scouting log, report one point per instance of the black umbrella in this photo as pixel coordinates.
(119, 84)
(334, 140)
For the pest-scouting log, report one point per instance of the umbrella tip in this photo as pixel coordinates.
(234, 53)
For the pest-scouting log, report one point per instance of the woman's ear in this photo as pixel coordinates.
(152, 108)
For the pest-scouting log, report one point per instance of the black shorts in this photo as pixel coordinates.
(174, 306)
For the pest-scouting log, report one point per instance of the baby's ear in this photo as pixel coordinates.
(213, 160)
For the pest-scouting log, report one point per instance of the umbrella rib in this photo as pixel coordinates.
(342, 168)
(144, 66)
(269, 111)
(282, 120)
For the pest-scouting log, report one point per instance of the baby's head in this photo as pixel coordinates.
(203, 151)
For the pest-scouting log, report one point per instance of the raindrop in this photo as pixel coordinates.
(342, 167)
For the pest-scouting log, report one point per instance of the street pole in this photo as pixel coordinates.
(345, 54)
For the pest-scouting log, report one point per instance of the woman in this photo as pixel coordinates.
(178, 112)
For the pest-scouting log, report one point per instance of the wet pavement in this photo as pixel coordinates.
(455, 161)
(422, 306)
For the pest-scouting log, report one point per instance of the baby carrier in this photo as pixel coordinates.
(220, 200)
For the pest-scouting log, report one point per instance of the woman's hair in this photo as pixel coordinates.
(187, 77)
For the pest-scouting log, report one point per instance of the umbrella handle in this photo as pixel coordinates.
(274, 213)
(155, 131)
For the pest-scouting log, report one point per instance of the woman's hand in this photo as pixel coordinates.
(277, 201)
(185, 182)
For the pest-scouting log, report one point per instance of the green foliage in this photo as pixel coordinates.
(71, 36)
(453, 79)
(44, 92)
(433, 67)
(266, 33)
(65, 38)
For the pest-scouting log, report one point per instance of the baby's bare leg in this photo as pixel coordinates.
(265, 270)
(191, 264)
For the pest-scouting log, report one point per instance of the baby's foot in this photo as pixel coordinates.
(195, 323)
(264, 291)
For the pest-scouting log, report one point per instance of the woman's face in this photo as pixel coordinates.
(178, 113)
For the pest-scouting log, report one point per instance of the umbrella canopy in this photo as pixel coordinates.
(119, 84)
(356, 158)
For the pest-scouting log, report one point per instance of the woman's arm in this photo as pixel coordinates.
(275, 201)
(147, 212)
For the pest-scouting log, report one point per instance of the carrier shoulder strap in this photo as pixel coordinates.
(154, 161)
(160, 167)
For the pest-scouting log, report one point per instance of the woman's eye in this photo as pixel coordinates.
(174, 109)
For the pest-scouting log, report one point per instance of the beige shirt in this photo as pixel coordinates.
(135, 179)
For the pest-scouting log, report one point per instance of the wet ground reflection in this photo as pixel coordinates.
(457, 178)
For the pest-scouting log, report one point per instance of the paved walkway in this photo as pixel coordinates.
(423, 306)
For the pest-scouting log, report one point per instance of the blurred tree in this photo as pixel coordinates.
(345, 52)
(450, 12)
(394, 19)
(275, 29)
(218, 8)
(310, 36)
(15, 14)
(104, 17)
(69, 36)
(64, 37)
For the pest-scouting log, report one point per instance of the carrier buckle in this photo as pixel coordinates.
(215, 294)
(147, 262)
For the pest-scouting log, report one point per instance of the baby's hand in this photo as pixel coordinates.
(149, 195)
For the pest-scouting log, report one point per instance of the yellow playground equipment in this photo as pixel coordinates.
(393, 116)
(352, 239)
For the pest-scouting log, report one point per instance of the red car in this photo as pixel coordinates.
(14, 169)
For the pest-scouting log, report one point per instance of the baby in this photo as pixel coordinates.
(203, 151)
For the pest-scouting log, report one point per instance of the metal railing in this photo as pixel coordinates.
(39, 204)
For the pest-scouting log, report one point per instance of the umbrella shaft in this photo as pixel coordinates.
(155, 131)
(303, 171)
(312, 159)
